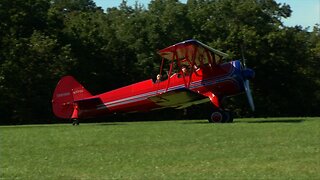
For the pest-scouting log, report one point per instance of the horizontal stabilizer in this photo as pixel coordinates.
(89, 103)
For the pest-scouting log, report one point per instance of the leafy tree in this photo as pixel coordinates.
(41, 40)
(31, 61)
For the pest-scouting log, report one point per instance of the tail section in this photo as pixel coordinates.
(67, 91)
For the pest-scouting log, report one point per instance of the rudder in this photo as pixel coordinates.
(66, 92)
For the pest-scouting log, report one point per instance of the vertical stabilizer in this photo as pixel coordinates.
(67, 91)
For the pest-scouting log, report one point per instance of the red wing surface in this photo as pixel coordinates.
(193, 49)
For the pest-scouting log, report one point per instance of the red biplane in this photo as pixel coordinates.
(205, 78)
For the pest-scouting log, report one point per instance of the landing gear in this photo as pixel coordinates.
(228, 116)
(220, 116)
(75, 122)
(216, 117)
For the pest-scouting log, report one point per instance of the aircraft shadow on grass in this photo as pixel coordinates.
(256, 121)
(109, 124)
(273, 121)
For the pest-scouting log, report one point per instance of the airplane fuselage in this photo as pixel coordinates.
(221, 80)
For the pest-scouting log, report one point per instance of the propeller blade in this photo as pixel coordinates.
(247, 74)
(249, 95)
(243, 58)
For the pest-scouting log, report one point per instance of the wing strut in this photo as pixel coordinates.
(192, 66)
(161, 67)
(214, 99)
(174, 55)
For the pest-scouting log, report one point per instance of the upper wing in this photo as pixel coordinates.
(192, 49)
(180, 98)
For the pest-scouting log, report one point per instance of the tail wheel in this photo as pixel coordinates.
(75, 122)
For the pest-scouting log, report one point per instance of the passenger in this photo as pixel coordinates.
(184, 70)
(195, 67)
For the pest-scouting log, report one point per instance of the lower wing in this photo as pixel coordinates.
(180, 98)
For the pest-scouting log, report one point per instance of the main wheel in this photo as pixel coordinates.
(220, 116)
(216, 117)
(228, 116)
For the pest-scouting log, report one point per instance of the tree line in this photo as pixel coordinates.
(42, 40)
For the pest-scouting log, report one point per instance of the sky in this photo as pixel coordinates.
(304, 12)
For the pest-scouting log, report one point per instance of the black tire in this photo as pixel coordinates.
(75, 122)
(216, 117)
(220, 116)
(228, 116)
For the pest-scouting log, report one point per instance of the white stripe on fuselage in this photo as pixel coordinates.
(144, 96)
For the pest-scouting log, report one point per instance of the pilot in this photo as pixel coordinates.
(158, 78)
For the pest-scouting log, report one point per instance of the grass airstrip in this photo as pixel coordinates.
(272, 148)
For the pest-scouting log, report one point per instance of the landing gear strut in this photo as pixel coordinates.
(220, 116)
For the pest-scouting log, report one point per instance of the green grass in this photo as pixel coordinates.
(277, 148)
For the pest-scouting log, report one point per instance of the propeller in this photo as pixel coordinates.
(249, 95)
(247, 74)
(243, 59)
